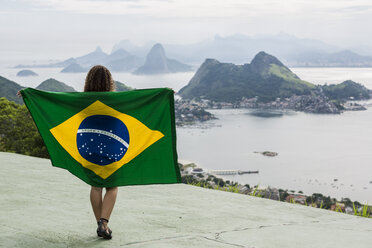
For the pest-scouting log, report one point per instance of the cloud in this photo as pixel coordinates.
(105, 7)
(241, 9)
(334, 21)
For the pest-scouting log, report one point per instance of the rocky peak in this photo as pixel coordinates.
(98, 49)
(119, 54)
(211, 62)
(208, 63)
(263, 60)
(157, 62)
(157, 52)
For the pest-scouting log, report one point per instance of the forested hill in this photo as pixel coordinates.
(54, 85)
(265, 77)
(348, 90)
(9, 90)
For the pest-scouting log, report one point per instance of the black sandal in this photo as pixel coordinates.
(101, 232)
(98, 234)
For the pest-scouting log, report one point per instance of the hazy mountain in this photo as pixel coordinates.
(140, 51)
(121, 60)
(64, 63)
(26, 73)
(122, 87)
(118, 54)
(9, 89)
(54, 85)
(157, 63)
(241, 48)
(365, 50)
(74, 68)
(288, 48)
(236, 48)
(265, 77)
(345, 58)
(93, 58)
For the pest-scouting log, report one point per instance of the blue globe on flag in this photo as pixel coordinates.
(102, 139)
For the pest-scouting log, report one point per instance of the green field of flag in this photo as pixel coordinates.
(109, 139)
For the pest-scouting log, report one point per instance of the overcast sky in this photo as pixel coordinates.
(58, 29)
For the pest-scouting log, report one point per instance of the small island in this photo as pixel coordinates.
(268, 153)
(26, 73)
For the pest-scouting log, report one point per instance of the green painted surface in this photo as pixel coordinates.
(44, 206)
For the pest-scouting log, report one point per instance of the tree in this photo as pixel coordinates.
(18, 132)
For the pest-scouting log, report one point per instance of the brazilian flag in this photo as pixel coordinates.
(109, 139)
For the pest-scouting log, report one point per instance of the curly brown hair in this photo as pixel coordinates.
(99, 79)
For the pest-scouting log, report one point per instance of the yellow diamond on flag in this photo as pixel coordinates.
(103, 139)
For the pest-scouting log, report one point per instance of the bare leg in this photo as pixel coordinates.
(109, 202)
(96, 201)
(107, 205)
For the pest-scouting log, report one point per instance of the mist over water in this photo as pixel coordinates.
(313, 149)
(175, 80)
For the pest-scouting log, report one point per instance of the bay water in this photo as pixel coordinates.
(328, 154)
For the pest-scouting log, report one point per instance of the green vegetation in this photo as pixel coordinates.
(315, 200)
(9, 90)
(54, 85)
(346, 90)
(266, 77)
(18, 132)
(364, 212)
(289, 76)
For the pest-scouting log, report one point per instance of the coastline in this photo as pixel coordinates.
(190, 112)
(192, 174)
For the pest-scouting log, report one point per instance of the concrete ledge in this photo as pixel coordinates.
(43, 206)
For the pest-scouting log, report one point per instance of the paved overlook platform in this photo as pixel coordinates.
(43, 206)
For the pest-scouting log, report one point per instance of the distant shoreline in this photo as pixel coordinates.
(195, 175)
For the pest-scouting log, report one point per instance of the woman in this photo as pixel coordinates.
(99, 79)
